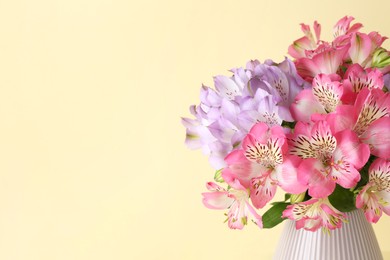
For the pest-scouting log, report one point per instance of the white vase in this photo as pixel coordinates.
(356, 240)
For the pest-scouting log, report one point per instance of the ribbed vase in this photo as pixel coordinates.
(356, 240)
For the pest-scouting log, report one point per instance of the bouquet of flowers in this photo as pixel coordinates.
(317, 127)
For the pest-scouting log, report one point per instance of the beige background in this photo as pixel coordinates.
(92, 159)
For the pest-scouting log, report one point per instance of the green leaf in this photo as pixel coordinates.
(342, 199)
(277, 202)
(273, 216)
(287, 124)
(363, 179)
(287, 196)
(364, 172)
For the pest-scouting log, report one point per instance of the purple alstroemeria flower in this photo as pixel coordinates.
(261, 92)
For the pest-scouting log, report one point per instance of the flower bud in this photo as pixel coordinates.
(381, 58)
(295, 198)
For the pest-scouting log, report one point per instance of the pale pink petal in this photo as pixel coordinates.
(236, 216)
(212, 186)
(385, 196)
(360, 48)
(217, 200)
(240, 168)
(297, 49)
(236, 184)
(256, 217)
(287, 175)
(376, 39)
(313, 224)
(311, 172)
(305, 29)
(377, 136)
(305, 106)
(329, 61)
(336, 222)
(343, 118)
(360, 199)
(317, 30)
(349, 146)
(386, 209)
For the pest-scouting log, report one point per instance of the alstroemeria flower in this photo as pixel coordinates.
(369, 118)
(307, 43)
(349, 46)
(326, 61)
(261, 164)
(357, 78)
(314, 214)
(263, 107)
(322, 98)
(279, 80)
(328, 158)
(343, 27)
(374, 198)
(236, 200)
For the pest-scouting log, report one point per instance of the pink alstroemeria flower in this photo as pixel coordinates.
(343, 27)
(328, 158)
(236, 200)
(356, 78)
(322, 98)
(306, 43)
(349, 46)
(262, 165)
(374, 198)
(369, 118)
(314, 214)
(326, 60)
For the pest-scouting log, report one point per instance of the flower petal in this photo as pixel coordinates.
(360, 47)
(351, 148)
(239, 167)
(305, 105)
(287, 175)
(226, 87)
(217, 200)
(312, 173)
(262, 190)
(327, 92)
(377, 136)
